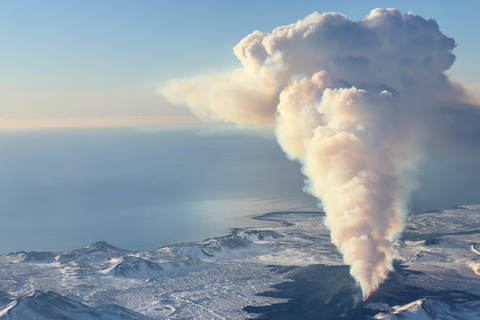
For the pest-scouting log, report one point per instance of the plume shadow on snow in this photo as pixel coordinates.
(314, 292)
(329, 292)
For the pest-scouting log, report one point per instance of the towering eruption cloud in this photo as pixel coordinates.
(353, 102)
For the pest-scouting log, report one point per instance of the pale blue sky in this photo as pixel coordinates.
(63, 59)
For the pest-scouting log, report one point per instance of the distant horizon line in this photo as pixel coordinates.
(96, 122)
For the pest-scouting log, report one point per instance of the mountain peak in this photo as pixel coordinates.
(50, 305)
(103, 246)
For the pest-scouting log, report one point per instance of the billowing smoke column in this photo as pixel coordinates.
(353, 102)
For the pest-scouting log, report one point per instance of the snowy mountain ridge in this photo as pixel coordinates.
(50, 305)
(251, 273)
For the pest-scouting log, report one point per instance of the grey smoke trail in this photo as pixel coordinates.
(353, 102)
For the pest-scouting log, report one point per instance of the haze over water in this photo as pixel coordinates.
(145, 188)
(138, 189)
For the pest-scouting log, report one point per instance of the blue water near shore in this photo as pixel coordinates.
(145, 188)
(139, 188)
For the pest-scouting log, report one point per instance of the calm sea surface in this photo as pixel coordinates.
(138, 189)
(142, 188)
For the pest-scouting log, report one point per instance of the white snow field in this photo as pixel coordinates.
(216, 278)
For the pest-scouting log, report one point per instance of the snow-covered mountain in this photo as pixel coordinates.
(213, 247)
(50, 305)
(426, 309)
(289, 270)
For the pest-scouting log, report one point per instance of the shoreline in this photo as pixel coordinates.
(268, 218)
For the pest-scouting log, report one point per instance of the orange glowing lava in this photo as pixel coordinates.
(369, 295)
(373, 291)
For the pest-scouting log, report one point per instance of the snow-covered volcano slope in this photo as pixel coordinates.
(50, 305)
(223, 278)
(213, 279)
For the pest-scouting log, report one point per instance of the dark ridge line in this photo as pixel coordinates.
(418, 237)
(451, 207)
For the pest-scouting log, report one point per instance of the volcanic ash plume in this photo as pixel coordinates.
(348, 100)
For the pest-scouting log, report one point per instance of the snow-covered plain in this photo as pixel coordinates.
(438, 261)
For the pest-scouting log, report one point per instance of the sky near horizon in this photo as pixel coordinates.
(100, 63)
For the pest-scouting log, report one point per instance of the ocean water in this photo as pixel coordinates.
(145, 188)
(139, 188)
